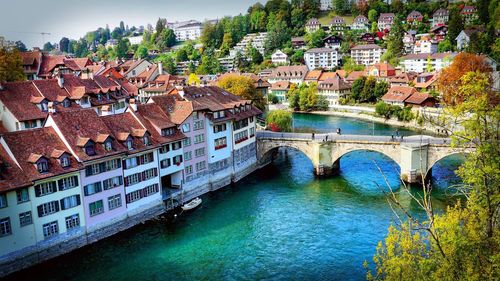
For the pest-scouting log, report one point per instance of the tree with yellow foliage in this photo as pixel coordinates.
(244, 87)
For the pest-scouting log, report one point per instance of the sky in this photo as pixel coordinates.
(25, 19)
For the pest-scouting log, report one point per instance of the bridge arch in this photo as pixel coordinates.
(265, 149)
(344, 149)
(434, 160)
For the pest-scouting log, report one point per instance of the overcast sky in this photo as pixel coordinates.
(25, 19)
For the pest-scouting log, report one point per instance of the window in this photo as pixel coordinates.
(112, 182)
(145, 140)
(252, 132)
(220, 143)
(92, 188)
(188, 170)
(165, 163)
(44, 106)
(199, 138)
(50, 229)
(201, 166)
(164, 149)
(168, 132)
(219, 128)
(198, 125)
(68, 183)
(196, 115)
(25, 218)
(66, 103)
(5, 227)
(133, 196)
(188, 155)
(131, 163)
(176, 145)
(130, 144)
(30, 124)
(103, 167)
(186, 127)
(48, 208)
(219, 114)
(186, 142)
(150, 190)
(70, 202)
(72, 221)
(132, 179)
(89, 150)
(42, 166)
(96, 208)
(45, 188)
(108, 146)
(199, 152)
(22, 195)
(241, 136)
(65, 162)
(114, 202)
(177, 160)
(3, 200)
(147, 158)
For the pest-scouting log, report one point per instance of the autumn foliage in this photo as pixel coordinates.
(450, 81)
(242, 86)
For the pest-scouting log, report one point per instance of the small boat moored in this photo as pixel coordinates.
(192, 204)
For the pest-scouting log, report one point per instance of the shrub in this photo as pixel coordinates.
(279, 121)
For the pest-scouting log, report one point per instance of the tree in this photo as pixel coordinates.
(64, 45)
(367, 93)
(160, 25)
(272, 98)
(194, 80)
(350, 65)
(341, 7)
(165, 39)
(142, 52)
(47, 47)
(280, 120)
(297, 57)
(321, 103)
(357, 88)
(307, 96)
(380, 89)
(449, 81)
(463, 242)
(168, 63)
(372, 15)
(227, 44)
(395, 45)
(121, 48)
(278, 34)
(445, 46)
(244, 87)
(181, 55)
(293, 97)
(209, 63)
(122, 26)
(255, 55)
(11, 65)
(383, 109)
(315, 39)
(20, 46)
(455, 25)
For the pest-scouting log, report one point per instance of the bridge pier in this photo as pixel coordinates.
(327, 170)
(414, 162)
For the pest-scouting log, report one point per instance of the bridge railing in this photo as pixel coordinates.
(416, 139)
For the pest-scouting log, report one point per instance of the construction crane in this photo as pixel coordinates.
(32, 32)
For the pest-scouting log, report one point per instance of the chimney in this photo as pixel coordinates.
(60, 80)
(51, 107)
(160, 68)
(132, 104)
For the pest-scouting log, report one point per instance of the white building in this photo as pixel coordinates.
(425, 45)
(333, 89)
(385, 21)
(360, 23)
(421, 62)
(135, 40)
(321, 58)
(368, 54)
(189, 31)
(293, 74)
(256, 39)
(279, 58)
(325, 5)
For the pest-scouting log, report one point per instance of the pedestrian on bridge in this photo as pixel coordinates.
(313, 136)
(326, 138)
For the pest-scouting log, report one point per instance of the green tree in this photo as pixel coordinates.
(307, 96)
(455, 25)
(21, 47)
(47, 47)
(121, 48)
(255, 55)
(445, 46)
(462, 243)
(280, 120)
(160, 25)
(380, 89)
(278, 34)
(165, 39)
(321, 103)
(315, 39)
(383, 109)
(181, 55)
(64, 45)
(357, 88)
(368, 88)
(395, 45)
(372, 15)
(350, 65)
(272, 98)
(11, 65)
(209, 64)
(227, 44)
(168, 63)
(293, 96)
(341, 7)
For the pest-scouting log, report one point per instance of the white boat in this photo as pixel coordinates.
(191, 205)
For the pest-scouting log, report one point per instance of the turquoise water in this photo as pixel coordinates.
(280, 223)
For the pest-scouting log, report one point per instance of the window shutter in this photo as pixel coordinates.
(39, 209)
(78, 200)
(98, 187)
(127, 198)
(60, 184)
(140, 160)
(76, 180)
(124, 164)
(62, 205)
(85, 190)
(120, 180)
(37, 191)
(118, 163)
(155, 172)
(126, 181)
(143, 176)
(57, 206)
(102, 167)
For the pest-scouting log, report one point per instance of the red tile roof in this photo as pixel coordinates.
(398, 94)
(417, 98)
(335, 84)
(17, 98)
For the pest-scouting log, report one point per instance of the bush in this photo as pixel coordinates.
(279, 121)
(405, 114)
(272, 98)
(383, 109)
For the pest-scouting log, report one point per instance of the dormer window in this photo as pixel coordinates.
(107, 96)
(65, 162)
(90, 149)
(130, 144)
(42, 166)
(44, 106)
(168, 132)
(66, 103)
(85, 100)
(99, 97)
(108, 145)
(146, 140)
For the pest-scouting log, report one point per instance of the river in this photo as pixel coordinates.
(280, 223)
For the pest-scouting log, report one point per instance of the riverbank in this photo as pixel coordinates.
(369, 116)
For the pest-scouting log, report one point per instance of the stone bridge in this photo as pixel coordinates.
(415, 155)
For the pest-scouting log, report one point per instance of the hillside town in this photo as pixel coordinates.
(107, 131)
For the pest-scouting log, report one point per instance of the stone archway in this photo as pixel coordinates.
(266, 147)
(391, 151)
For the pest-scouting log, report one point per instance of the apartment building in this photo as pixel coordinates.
(422, 62)
(368, 54)
(325, 58)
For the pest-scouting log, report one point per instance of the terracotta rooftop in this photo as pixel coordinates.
(17, 98)
(289, 72)
(335, 84)
(398, 94)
